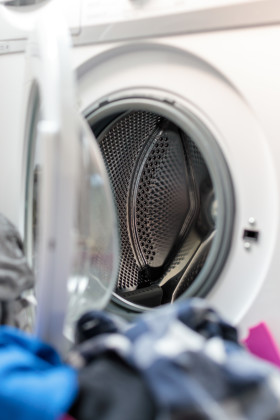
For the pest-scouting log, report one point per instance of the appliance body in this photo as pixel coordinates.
(16, 23)
(212, 72)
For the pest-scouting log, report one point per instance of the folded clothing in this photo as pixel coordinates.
(35, 383)
(190, 361)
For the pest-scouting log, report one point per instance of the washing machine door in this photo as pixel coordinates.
(70, 225)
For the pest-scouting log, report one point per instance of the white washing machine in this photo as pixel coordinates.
(183, 98)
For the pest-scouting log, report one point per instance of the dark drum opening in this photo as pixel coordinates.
(166, 204)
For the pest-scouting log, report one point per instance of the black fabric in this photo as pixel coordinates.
(15, 275)
(111, 390)
(94, 323)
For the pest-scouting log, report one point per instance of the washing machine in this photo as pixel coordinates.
(183, 99)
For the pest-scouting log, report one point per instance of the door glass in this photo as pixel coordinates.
(96, 256)
(94, 233)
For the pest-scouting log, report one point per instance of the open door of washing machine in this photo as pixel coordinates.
(71, 233)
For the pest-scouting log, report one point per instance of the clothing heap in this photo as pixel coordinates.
(181, 361)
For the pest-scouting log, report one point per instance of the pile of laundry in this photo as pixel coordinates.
(181, 361)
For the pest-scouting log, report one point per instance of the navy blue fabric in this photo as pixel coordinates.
(94, 323)
(35, 383)
(192, 363)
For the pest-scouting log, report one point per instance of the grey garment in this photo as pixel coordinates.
(16, 277)
(19, 313)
